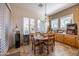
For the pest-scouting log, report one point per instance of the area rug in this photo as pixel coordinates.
(15, 54)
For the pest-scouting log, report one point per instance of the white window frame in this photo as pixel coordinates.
(53, 27)
(29, 25)
(39, 25)
(64, 17)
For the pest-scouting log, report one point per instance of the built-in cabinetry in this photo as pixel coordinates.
(77, 42)
(71, 40)
(59, 37)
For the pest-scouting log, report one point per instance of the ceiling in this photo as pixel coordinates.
(51, 8)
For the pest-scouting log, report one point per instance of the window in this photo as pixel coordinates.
(38, 27)
(61, 24)
(46, 25)
(66, 20)
(54, 24)
(29, 25)
(43, 25)
(32, 25)
(26, 25)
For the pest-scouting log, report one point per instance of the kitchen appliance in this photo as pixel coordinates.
(72, 29)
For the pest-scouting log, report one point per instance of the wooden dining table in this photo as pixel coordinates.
(41, 40)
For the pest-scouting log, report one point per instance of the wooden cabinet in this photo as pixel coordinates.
(77, 42)
(66, 39)
(59, 37)
(70, 40)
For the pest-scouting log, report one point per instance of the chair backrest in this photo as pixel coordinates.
(35, 41)
(51, 39)
(50, 35)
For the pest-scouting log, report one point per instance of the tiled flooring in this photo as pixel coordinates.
(59, 50)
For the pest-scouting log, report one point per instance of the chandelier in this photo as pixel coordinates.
(45, 10)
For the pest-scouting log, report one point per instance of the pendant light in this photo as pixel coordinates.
(46, 12)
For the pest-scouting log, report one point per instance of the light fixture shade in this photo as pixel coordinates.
(46, 17)
(40, 5)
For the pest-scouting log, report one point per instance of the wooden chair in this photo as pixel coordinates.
(52, 38)
(51, 43)
(48, 44)
(43, 46)
(36, 46)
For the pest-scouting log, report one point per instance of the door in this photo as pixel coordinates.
(29, 27)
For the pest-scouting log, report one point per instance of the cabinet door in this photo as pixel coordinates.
(59, 37)
(77, 42)
(70, 39)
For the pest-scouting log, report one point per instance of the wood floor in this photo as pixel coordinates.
(60, 49)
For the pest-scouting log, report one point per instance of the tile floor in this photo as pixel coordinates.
(60, 49)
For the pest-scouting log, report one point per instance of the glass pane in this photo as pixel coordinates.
(26, 21)
(38, 27)
(46, 25)
(26, 26)
(43, 25)
(66, 20)
(32, 25)
(54, 24)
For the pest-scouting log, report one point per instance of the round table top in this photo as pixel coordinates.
(40, 38)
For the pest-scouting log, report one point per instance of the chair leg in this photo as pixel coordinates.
(53, 42)
(34, 51)
(52, 47)
(32, 47)
(47, 50)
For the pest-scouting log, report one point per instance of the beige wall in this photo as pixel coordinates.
(18, 13)
(73, 9)
(17, 16)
